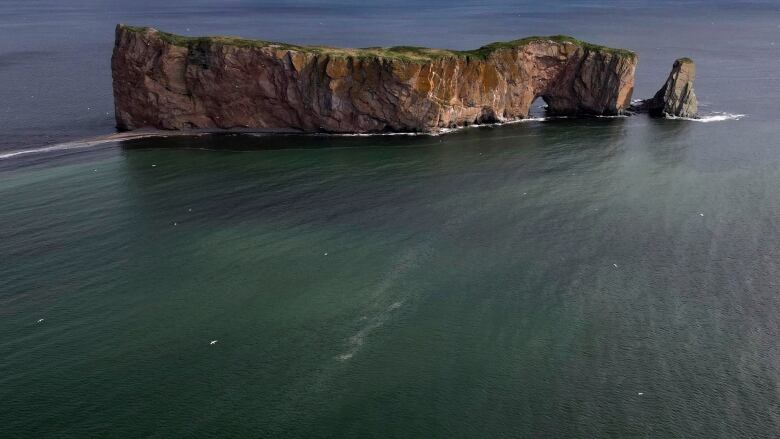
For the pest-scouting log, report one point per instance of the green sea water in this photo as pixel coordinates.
(565, 278)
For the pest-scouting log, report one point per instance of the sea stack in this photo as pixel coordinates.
(167, 81)
(676, 98)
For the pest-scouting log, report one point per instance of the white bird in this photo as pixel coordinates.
(40, 320)
(640, 393)
(213, 342)
(615, 265)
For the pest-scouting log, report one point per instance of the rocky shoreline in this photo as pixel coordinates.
(170, 82)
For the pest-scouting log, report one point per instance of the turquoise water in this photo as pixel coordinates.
(567, 278)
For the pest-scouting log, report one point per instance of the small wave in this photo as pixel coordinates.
(437, 132)
(401, 133)
(359, 338)
(92, 142)
(496, 124)
(395, 305)
(58, 147)
(714, 117)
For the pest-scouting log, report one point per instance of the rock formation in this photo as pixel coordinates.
(171, 82)
(677, 97)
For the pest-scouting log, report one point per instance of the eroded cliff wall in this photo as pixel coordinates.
(676, 98)
(170, 82)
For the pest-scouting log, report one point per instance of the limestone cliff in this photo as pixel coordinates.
(172, 82)
(676, 97)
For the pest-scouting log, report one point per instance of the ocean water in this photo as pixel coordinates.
(603, 277)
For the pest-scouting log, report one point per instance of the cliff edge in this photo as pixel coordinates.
(173, 82)
(676, 97)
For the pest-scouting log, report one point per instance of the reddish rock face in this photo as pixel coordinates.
(182, 83)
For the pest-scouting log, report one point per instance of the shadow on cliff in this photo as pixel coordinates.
(258, 142)
(538, 125)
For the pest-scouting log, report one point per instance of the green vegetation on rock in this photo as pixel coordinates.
(407, 53)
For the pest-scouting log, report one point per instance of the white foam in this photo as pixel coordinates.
(439, 131)
(403, 133)
(714, 117)
(58, 147)
(92, 142)
(395, 305)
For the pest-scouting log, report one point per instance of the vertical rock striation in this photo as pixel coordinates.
(171, 82)
(676, 98)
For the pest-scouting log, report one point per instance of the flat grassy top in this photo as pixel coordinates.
(411, 53)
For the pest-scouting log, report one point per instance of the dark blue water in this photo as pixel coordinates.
(613, 277)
